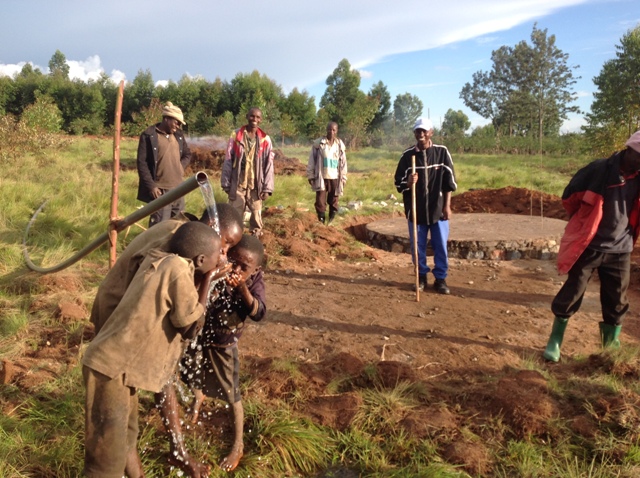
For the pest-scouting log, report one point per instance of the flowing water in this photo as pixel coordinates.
(210, 203)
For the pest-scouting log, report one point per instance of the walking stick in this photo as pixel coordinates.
(415, 230)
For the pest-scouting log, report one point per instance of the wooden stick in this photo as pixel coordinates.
(415, 230)
(113, 233)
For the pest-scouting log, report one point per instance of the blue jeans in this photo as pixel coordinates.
(439, 232)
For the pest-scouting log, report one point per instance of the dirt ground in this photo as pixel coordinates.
(336, 305)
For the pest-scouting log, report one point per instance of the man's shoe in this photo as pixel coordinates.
(332, 216)
(422, 283)
(440, 285)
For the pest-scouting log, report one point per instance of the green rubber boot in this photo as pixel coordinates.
(610, 335)
(552, 352)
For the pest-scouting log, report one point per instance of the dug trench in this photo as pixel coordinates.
(346, 316)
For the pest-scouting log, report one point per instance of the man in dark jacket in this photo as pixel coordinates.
(603, 203)
(163, 155)
(434, 181)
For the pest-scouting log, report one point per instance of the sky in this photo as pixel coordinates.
(428, 49)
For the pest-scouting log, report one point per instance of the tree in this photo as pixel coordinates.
(58, 65)
(301, 108)
(615, 112)
(380, 93)
(346, 104)
(252, 90)
(528, 90)
(287, 127)
(407, 108)
(550, 80)
(455, 123)
(137, 94)
(42, 115)
(341, 93)
(7, 93)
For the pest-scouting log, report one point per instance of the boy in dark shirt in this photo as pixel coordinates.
(216, 373)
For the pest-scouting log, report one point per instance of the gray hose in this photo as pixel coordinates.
(199, 179)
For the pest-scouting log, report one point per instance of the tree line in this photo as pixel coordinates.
(210, 107)
(526, 96)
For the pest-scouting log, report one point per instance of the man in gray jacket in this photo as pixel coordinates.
(247, 170)
(327, 172)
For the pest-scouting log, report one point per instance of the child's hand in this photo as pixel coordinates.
(221, 272)
(235, 280)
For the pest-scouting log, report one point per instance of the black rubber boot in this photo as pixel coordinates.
(321, 217)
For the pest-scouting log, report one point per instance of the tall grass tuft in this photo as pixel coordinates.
(285, 444)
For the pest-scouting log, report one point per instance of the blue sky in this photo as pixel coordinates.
(424, 48)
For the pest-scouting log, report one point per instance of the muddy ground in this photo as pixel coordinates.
(336, 305)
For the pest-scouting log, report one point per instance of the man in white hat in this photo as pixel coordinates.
(163, 155)
(603, 203)
(434, 181)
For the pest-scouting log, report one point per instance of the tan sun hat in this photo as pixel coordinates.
(173, 111)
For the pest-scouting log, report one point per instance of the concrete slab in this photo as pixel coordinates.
(480, 236)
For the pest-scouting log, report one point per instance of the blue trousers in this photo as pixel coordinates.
(439, 233)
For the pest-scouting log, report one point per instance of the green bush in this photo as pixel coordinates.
(42, 115)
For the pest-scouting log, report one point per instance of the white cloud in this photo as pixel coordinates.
(572, 124)
(90, 69)
(365, 73)
(583, 94)
(117, 76)
(487, 39)
(11, 70)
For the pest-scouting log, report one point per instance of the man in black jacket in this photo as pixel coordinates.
(434, 181)
(163, 155)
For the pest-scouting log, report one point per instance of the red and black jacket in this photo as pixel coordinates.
(583, 198)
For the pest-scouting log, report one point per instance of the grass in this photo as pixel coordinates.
(41, 428)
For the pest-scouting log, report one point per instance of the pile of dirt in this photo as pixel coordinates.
(509, 200)
(205, 157)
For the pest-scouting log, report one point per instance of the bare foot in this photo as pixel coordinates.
(230, 462)
(191, 467)
(198, 399)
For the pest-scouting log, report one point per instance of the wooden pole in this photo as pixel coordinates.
(113, 217)
(416, 267)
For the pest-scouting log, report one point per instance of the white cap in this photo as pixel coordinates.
(634, 142)
(423, 123)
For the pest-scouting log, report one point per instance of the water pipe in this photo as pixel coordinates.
(200, 179)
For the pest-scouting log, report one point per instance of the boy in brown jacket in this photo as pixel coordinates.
(141, 342)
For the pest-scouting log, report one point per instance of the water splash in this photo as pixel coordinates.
(210, 203)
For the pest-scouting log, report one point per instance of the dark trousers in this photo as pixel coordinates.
(167, 212)
(614, 273)
(327, 197)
